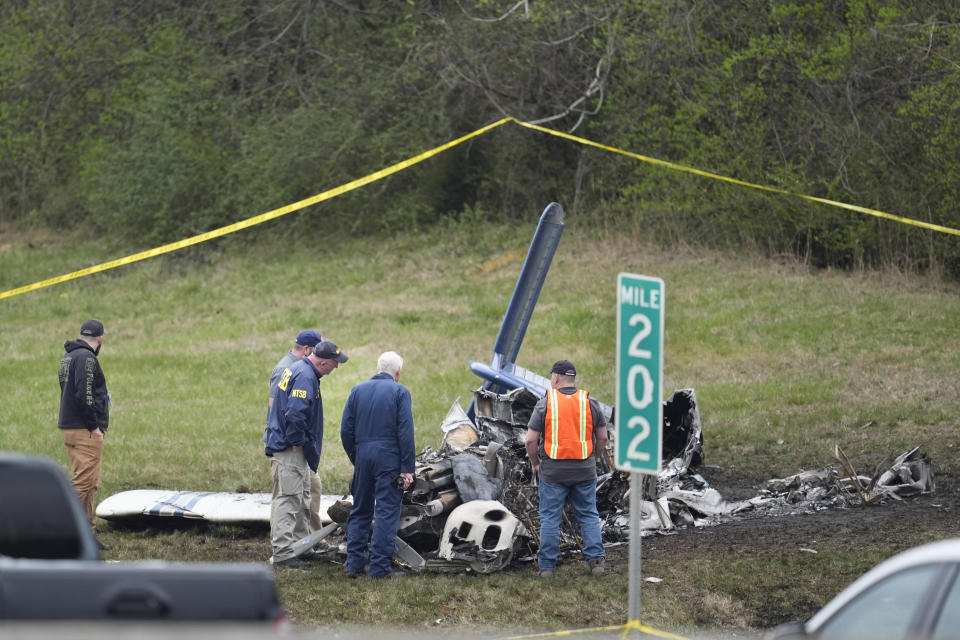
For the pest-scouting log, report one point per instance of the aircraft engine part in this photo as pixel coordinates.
(449, 500)
(492, 462)
(513, 407)
(434, 507)
(498, 431)
(433, 477)
(503, 418)
(418, 527)
(483, 533)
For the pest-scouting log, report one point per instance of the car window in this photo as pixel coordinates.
(36, 520)
(948, 626)
(885, 609)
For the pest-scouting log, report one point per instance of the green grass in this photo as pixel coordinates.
(785, 362)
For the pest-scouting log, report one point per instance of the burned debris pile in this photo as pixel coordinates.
(473, 505)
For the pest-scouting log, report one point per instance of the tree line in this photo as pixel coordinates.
(157, 119)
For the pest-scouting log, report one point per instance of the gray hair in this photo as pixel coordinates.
(389, 362)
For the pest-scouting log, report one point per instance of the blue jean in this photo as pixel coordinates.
(583, 500)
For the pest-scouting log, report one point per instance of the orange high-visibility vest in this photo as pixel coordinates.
(568, 426)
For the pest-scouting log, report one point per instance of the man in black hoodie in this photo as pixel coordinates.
(84, 410)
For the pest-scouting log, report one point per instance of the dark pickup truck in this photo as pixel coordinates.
(50, 566)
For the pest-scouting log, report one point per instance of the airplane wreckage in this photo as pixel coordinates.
(473, 504)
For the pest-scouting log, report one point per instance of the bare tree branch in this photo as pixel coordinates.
(596, 87)
(521, 3)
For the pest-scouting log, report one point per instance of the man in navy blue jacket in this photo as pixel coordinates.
(377, 434)
(293, 441)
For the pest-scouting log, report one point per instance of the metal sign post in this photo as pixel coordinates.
(639, 410)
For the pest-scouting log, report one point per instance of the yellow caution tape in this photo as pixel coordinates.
(706, 174)
(360, 182)
(636, 625)
(249, 222)
(633, 625)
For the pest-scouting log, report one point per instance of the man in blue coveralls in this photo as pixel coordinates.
(293, 442)
(377, 434)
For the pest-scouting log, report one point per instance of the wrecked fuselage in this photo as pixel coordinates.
(474, 502)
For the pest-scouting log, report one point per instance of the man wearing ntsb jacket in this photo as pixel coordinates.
(565, 433)
(303, 345)
(293, 442)
(377, 434)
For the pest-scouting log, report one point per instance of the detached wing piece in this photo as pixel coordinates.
(194, 505)
(213, 506)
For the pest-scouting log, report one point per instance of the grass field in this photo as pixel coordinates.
(785, 361)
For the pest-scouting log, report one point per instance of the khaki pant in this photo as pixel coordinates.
(85, 449)
(289, 517)
(316, 494)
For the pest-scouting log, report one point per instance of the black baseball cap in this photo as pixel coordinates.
(327, 349)
(92, 328)
(564, 368)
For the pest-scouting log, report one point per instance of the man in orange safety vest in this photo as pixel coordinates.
(566, 430)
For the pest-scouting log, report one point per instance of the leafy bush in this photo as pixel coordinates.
(178, 118)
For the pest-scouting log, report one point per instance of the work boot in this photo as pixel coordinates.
(546, 573)
(312, 554)
(353, 574)
(392, 574)
(596, 566)
(292, 563)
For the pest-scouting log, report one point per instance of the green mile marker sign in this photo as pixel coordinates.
(639, 409)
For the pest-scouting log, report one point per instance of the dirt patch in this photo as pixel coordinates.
(898, 524)
(863, 531)
(887, 527)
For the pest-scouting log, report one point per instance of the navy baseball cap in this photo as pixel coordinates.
(564, 368)
(92, 328)
(309, 338)
(327, 349)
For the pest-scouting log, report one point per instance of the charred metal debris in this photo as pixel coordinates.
(473, 506)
